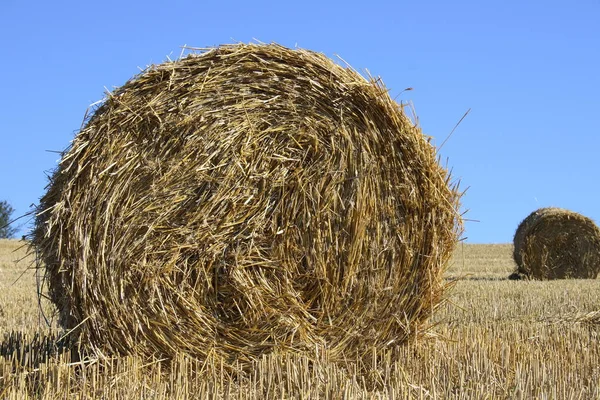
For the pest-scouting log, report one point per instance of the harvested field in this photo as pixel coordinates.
(495, 339)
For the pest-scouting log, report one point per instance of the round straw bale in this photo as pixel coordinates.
(554, 243)
(246, 199)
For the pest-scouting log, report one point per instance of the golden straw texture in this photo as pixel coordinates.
(554, 243)
(247, 199)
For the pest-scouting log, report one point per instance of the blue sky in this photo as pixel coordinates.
(529, 72)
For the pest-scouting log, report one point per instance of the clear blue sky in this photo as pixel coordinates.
(528, 70)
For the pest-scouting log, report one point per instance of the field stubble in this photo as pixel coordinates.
(494, 338)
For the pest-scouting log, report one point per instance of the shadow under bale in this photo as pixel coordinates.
(247, 199)
(517, 276)
(554, 243)
(29, 351)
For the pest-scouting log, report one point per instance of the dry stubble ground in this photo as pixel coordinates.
(494, 339)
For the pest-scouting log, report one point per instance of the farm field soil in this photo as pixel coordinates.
(492, 339)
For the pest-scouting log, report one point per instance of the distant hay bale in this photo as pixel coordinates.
(553, 243)
(247, 199)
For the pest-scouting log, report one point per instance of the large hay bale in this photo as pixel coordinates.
(554, 243)
(248, 198)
